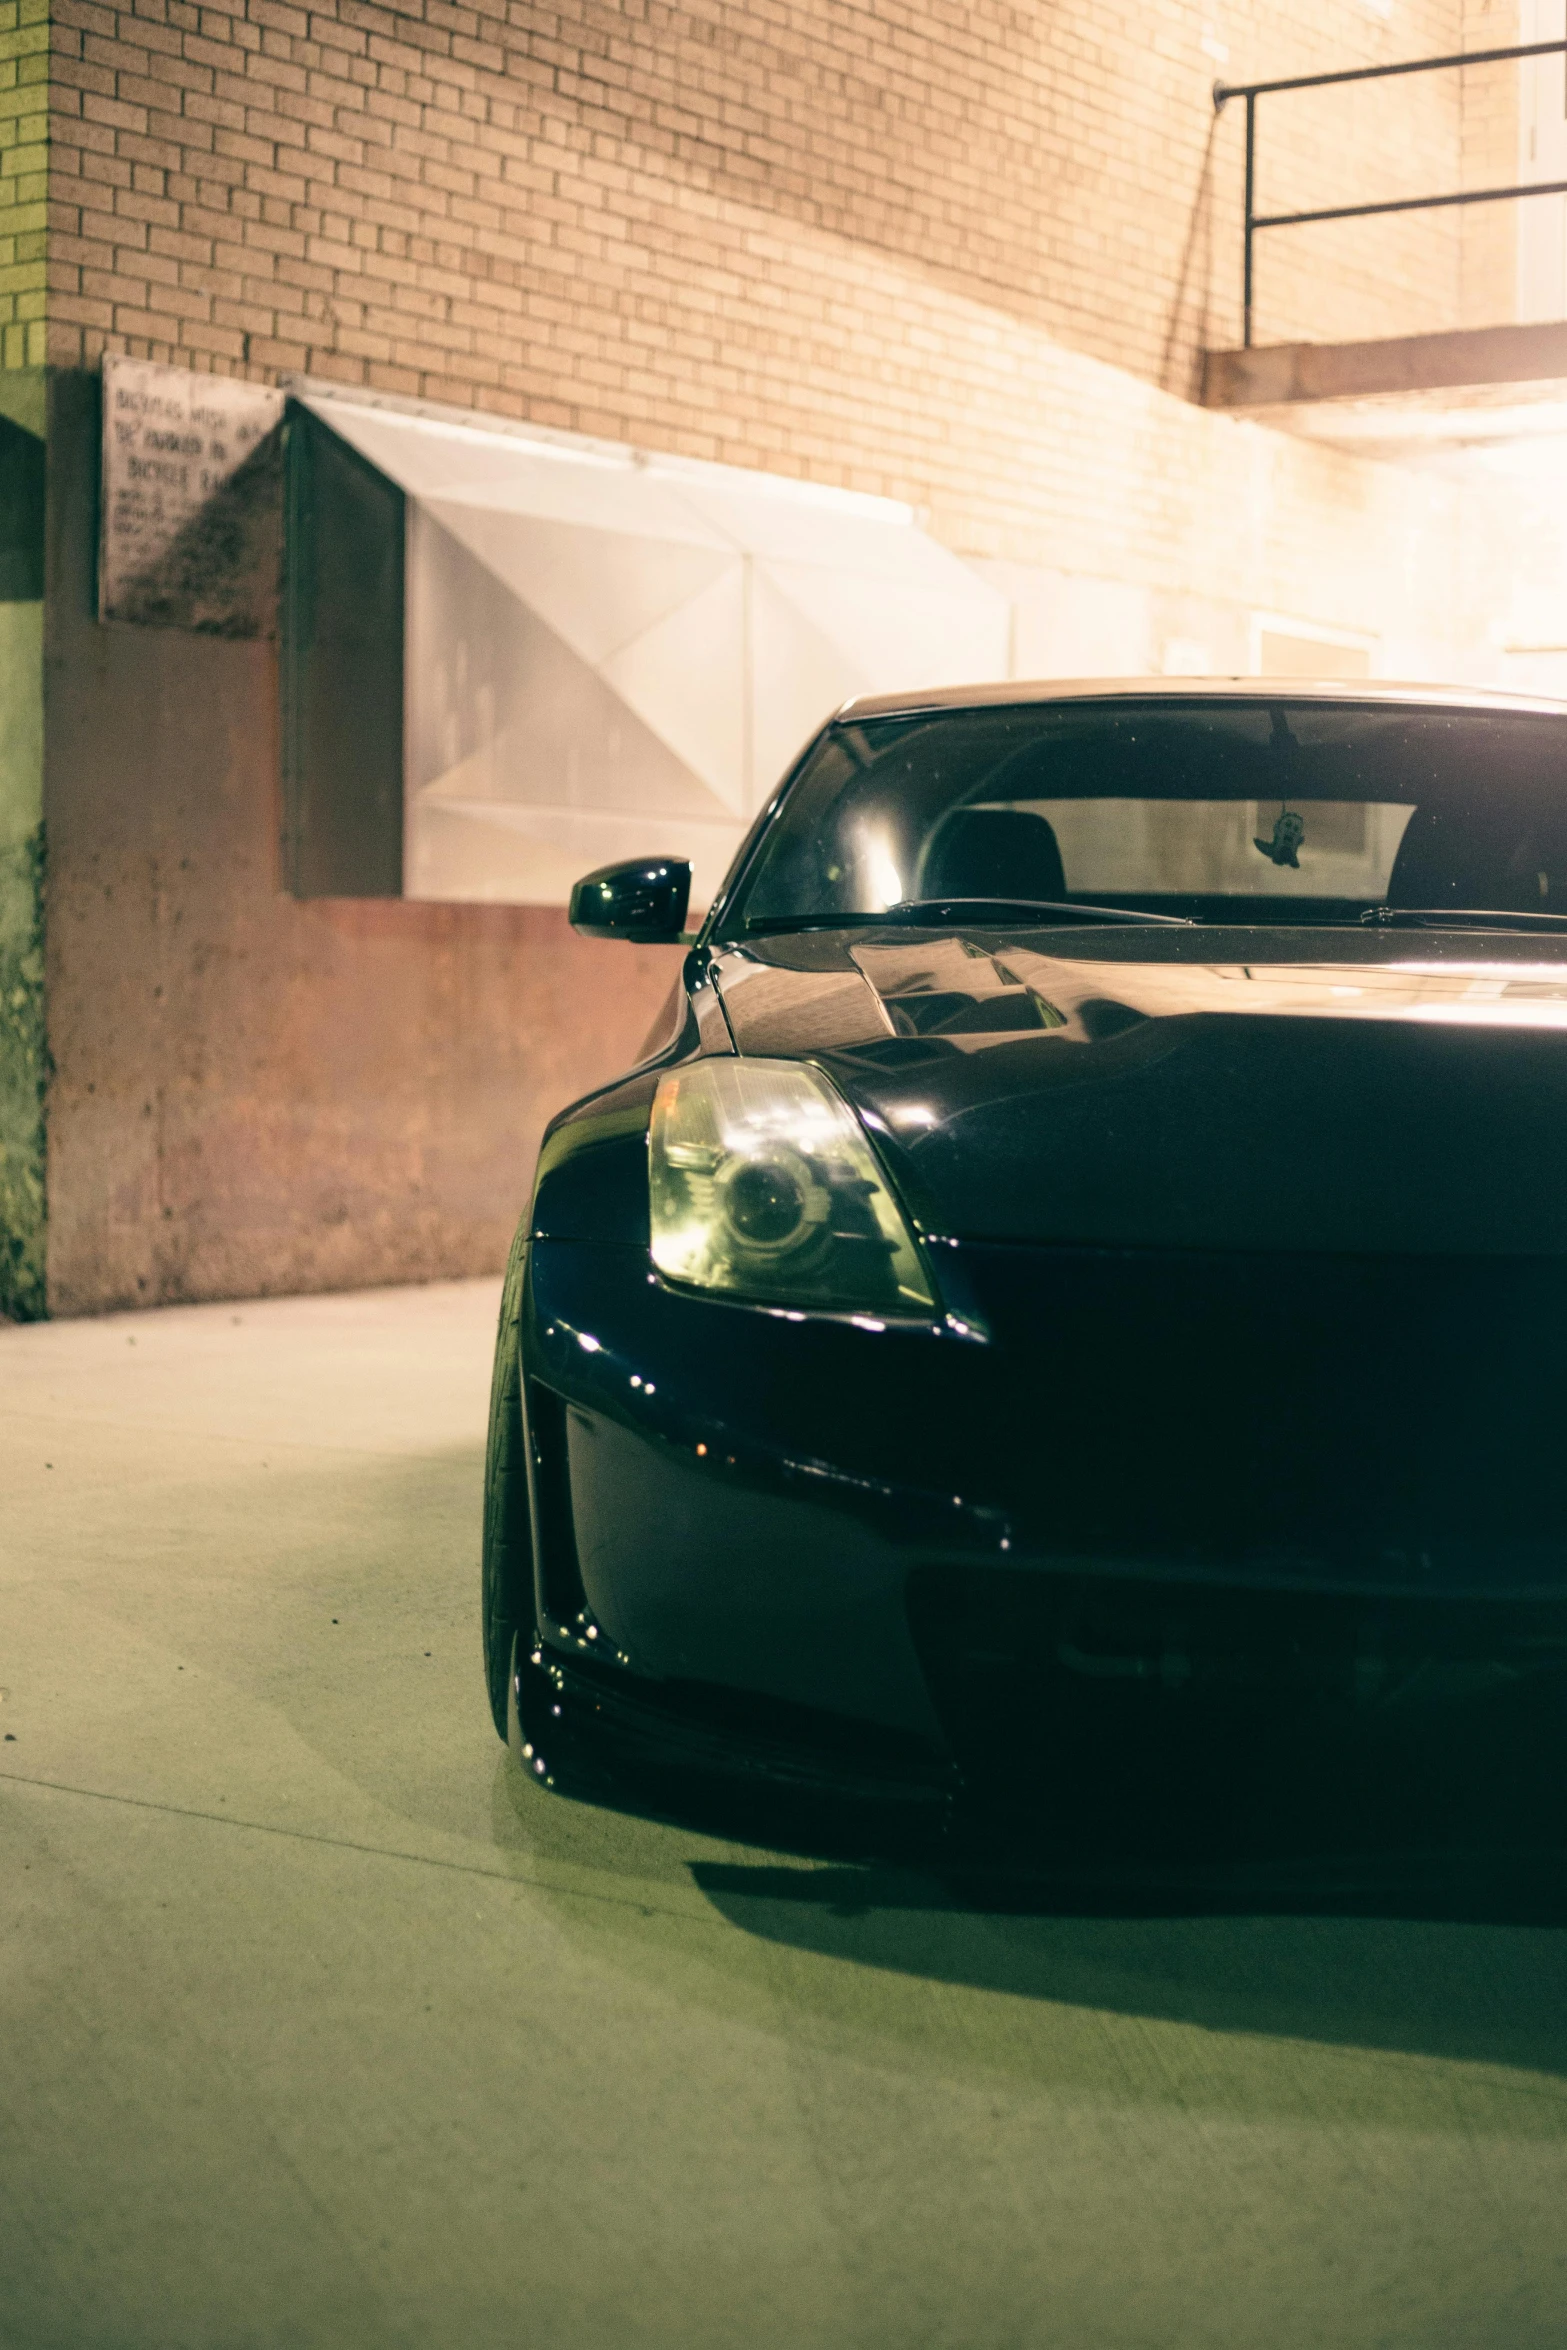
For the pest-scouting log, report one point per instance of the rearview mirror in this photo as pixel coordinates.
(644, 899)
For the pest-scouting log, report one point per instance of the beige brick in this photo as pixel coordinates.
(842, 238)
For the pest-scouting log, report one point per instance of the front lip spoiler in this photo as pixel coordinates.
(1005, 1849)
(639, 1732)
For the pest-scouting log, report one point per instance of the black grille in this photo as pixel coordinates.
(1171, 1714)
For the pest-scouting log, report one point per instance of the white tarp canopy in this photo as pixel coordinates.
(609, 653)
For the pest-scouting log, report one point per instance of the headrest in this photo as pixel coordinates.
(992, 853)
(1507, 859)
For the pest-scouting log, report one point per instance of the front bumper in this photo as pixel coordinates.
(1177, 1534)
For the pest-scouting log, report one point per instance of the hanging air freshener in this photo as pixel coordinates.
(1288, 833)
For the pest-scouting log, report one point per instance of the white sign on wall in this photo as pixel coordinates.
(191, 500)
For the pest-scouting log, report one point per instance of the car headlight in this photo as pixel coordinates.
(762, 1184)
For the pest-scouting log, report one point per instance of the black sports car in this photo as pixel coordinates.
(1069, 1311)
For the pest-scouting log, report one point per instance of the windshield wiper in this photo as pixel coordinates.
(925, 913)
(1458, 918)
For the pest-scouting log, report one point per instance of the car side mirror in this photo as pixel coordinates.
(645, 900)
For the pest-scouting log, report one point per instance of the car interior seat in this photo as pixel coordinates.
(992, 853)
(1508, 859)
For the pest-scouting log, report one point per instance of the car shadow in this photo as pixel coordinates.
(1367, 1919)
(1449, 1954)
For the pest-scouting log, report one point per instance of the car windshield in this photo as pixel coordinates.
(1254, 809)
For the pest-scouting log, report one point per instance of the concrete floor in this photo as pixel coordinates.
(318, 2027)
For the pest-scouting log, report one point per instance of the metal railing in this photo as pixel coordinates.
(1223, 92)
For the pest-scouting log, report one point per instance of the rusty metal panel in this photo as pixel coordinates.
(341, 671)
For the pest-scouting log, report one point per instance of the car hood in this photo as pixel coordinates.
(1399, 1092)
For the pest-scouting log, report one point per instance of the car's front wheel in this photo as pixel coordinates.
(506, 1594)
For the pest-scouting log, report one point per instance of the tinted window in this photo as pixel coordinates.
(1186, 805)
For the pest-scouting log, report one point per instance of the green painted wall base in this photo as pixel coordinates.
(23, 1079)
(24, 1050)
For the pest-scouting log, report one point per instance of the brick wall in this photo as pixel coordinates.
(602, 215)
(1489, 247)
(962, 255)
(24, 88)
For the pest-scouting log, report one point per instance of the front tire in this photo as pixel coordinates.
(506, 1579)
